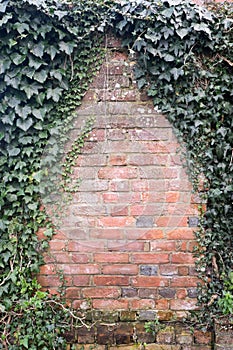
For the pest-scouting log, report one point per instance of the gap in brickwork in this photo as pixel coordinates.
(124, 243)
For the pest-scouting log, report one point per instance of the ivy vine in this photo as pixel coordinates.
(49, 52)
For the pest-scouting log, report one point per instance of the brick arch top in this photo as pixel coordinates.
(125, 241)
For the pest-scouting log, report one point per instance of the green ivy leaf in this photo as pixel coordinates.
(24, 124)
(41, 76)
(3, 6)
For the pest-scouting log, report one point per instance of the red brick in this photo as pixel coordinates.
(116, 221)
(142, 304)
(81, 280)
(111, 280)
(110, 197)
(150, 281)
(182, 258)
(72, 293)
(181, 233)
(117, 159)
(57, 245)
(156, 258)
(119, 210)
(168, 270)
(120, 269)
(111, 258)
(79, 258)
(183, 304)
(126, 246)
(153, 234)
(162, 304)
(121, 304)
(166, 315)
(119, 185)
(106, 233)
(49, 281)
(184, 281)
(172, 197)
(183, 270)
(171, 221)
(181, 293)
(163, 246)
(75, 269)
(146, 209)
(85, 246)
(202, 337)
(49, 269)
(101, 293)
(140, 185)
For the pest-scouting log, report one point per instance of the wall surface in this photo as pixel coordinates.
(125, 241)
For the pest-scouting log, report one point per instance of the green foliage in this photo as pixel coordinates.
(49, 52)
(153, 327)
(226, 301)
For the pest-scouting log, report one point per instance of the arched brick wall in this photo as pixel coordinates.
(125, 243)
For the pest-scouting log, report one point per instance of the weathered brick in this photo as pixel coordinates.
(128, 316)
(120, 269)
(147, 315)
(162, 304)
(181, 258)
(180, 233)
(97, 292)
(106, 233)
(166, 335)
(148, 281)
(145, 221)
(111, 280)
(120, 304)
(76, 269)
(156, 258)
(117, 159)
(104, 335)
(142, 304)
(186, 281)
(129, 292)
(117, 173)
(149, 270)
(163, 246)
(183, 304)
(110, 221)
(81, 280)
(148, 293)
(201, 337)
(111, 258)
(168, 293)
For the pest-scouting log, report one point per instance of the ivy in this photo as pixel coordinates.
(49, 52)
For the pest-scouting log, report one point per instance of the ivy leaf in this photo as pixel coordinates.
(182, 32)
(13, 151)
(202, 28)
(67, 47)
(169, 58)
(3, 6)
(60, 14)
(52, 51)
(41, 76)
(24, 124)
(31, 89)
(38, 50)
(39, 113)
(54, 94)
(35, 62)
(5, 19)
(24, 341)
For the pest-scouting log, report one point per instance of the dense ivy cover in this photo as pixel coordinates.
(49, 51)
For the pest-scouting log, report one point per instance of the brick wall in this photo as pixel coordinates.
(125, 242)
